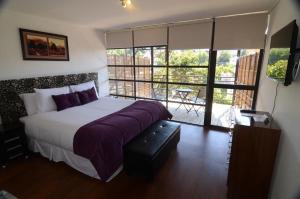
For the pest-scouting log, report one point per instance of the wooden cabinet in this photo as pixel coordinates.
(253, 153)
(12, 143)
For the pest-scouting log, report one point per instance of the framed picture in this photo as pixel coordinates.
(38, 45)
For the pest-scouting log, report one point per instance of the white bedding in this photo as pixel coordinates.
(59, 128)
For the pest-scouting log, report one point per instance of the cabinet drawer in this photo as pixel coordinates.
(12, 141)
(14, 152)
(12, 134)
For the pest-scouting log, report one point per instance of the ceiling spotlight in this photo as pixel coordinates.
(125, 3)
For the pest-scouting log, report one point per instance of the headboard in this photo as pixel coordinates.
(11, 105)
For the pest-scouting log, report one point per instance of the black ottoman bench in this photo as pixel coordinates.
(145, 153)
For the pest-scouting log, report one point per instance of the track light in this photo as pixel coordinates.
(125, 3)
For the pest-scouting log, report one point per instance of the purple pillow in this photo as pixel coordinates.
(87, 96)
(65, 101)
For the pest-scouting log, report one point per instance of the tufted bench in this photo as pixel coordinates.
(145, 153)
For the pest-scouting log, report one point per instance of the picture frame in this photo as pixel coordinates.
(37, 45)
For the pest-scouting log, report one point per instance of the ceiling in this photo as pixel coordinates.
(108, 14)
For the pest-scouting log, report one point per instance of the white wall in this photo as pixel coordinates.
(86, 49)
(286, 178)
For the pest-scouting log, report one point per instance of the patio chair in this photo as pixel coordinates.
(199, 100)
(157, 95)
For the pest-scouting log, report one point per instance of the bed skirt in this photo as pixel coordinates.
(58, 154)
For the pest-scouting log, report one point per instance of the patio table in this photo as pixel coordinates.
(183, 94)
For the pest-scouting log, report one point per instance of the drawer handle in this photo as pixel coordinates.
(15, 147)
(17, 155)
(12, 139)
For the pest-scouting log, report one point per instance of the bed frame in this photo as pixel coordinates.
(11, 105)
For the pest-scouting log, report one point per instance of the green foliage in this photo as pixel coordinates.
(187, 74)
(195, 75)
(159, 58)
(188, 58)
(278, 69)
(119, 52)
(224, 57)
(278, 54)
(277, 63)
(222, 97)
(220, 70)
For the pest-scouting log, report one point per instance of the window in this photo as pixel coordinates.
(151, 73)
(121, 72)
(182, 85)
(235, 80)
(237, 67)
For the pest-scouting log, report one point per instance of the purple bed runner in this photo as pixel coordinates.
(102, 140)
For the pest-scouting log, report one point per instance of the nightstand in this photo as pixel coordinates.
(12, 143)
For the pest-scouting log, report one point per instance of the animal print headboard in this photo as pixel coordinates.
(11, 105)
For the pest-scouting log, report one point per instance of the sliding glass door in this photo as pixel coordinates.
(187, 81)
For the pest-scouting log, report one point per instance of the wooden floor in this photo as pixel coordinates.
(197, 169)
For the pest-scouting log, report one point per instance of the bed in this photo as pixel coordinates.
(52, 133)
(72, 135)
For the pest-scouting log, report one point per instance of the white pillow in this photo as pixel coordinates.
(84, 86)
(29, 100)
(45, 103)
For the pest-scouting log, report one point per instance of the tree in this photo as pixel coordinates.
(188, 58)
(278, 54)
(119, 52)
(224, 58)
(188, 74)
(278, 69)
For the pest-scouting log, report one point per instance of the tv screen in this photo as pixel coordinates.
(282, 52)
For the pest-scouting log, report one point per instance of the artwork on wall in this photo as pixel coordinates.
(38, 45)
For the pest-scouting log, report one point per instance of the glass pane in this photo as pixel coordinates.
(243, 99)
(122, 97)
(222, 107)
(159, 56)
(112, 72)
(112, 87)
(151, 90)
(187, 93)
(188, 75)
(159, 74)
(225, 67)
(191, 57)
(225, 100)
(187, 113)
(232, 68)
(120, 72)
(159, 91)
(143, 73)
(163, 103)
(124, 73)
(143, 90)
(125, 88)
(247, 67)
(121, 88)
(119, 57)
(142, 56)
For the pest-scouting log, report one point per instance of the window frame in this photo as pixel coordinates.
(210, 83)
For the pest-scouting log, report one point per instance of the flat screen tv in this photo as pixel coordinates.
(281, 61)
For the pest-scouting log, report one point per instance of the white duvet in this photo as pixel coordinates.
(59, 128)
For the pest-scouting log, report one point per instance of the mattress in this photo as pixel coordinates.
(59, 127)
(52, 133)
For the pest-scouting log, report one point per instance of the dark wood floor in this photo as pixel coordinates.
(196, 170)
